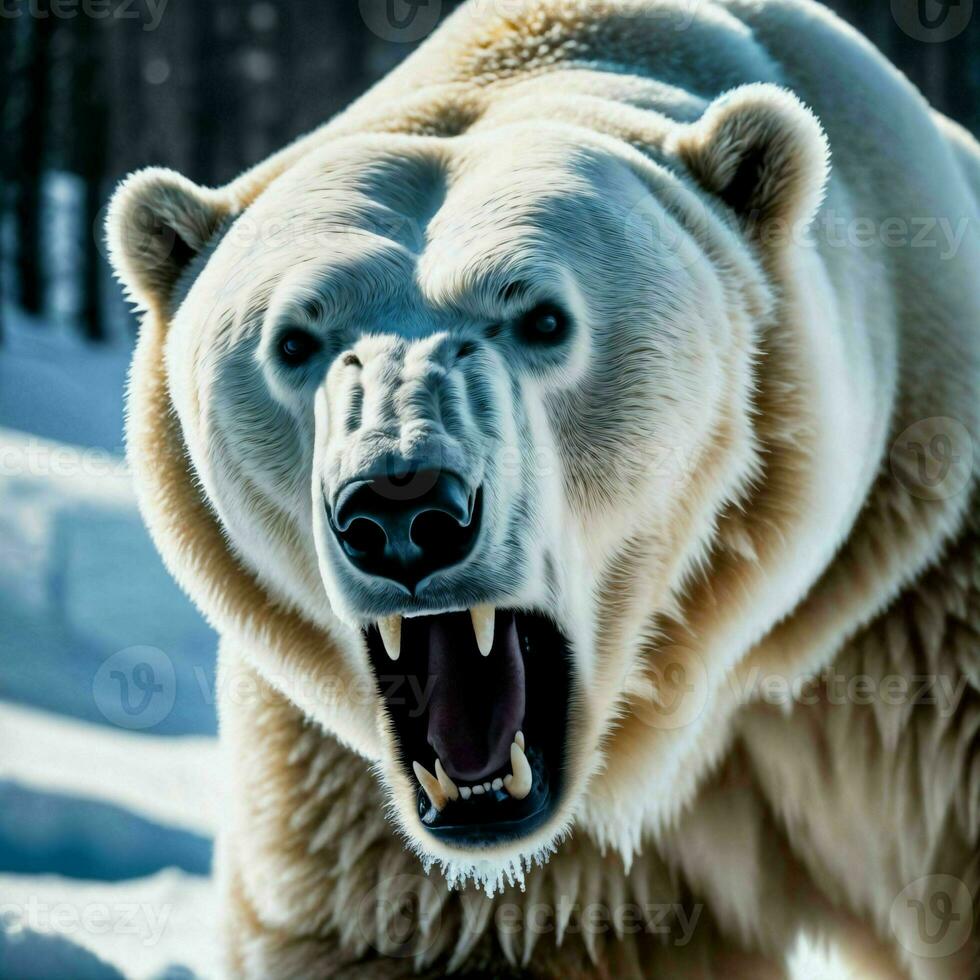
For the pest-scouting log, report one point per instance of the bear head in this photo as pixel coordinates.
(466, 414)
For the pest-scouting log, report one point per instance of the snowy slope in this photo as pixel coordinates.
(80, 582)
(176, 782)
(109, 783)
(152, 928)
(135, 808)
(54, 385)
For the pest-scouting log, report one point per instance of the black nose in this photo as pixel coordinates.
(408, 525)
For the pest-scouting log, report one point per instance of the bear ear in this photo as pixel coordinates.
(761, 151)
(157, 222)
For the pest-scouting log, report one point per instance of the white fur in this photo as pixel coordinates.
(706, 467)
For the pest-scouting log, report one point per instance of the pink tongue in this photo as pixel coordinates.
(477, 703)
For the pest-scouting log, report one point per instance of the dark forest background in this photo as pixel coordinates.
(217, 85)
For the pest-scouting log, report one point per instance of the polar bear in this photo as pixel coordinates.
(572, 443)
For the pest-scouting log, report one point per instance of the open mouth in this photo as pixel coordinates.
(479, 705)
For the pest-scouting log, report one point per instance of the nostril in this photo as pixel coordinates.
(406, 526)
(434, 531)
(364, 537)
(443, 537)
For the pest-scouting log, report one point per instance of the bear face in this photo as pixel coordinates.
(474, 412)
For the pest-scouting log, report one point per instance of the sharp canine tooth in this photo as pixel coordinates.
(390, 628)
(519, 738)
(482, 617)
(431, 785)
(448, 786)
(520, 782)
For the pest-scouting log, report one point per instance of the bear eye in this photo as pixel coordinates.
(546, 323)
(297, 346)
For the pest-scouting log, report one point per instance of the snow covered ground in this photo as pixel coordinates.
(108, 777)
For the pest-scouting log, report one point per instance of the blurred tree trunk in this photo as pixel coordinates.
(127, 97)
(260, 66)
(27, 107)
(9, 131)
(90, 133)
(218, 98)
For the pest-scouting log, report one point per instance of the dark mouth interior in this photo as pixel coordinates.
(448, 702)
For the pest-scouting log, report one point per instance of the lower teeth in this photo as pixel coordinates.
(440, 789)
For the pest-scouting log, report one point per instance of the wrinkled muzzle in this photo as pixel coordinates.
(406, 436)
